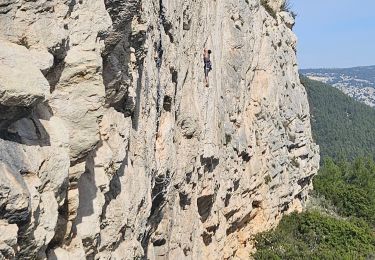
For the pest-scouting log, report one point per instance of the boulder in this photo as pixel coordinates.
(21, 82)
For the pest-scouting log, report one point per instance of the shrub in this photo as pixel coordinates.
(287, 7)
(267, 179)
(312, 235)
(269, 9)
(350, 186)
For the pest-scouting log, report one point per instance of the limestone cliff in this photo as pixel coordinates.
(113, 148)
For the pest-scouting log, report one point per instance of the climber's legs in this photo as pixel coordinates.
(206, 70)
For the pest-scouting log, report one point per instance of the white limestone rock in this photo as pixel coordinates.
(8, 239)
(8, 233)
(42, 58)
(15, 198)
(21, 82)
(132, 156)
(288, 19)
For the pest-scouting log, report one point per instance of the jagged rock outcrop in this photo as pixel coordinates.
(127, 155)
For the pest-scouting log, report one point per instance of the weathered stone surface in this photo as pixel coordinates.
(131, 156)
(14, 196)
(42, 59)
(276, 5)
(21, 82)
(8, 239)
(22, 85)
(287, 18)
(75, 252)
(9, 236)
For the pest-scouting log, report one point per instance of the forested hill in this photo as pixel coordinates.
(341, 126)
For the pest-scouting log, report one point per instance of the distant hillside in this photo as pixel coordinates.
(341, 125)
(357, 82)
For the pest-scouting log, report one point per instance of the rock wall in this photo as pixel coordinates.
(113, 148)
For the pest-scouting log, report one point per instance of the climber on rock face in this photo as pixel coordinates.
(207, 64)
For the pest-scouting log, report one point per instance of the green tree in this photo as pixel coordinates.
(350, 186)
(311, 235)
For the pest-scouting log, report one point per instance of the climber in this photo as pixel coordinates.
(207, 64)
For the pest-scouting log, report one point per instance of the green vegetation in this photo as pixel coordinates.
(313, 235)
(343, 127)
(269, 9)
(285, 7)
(343, 223)
(267, 179)
(350, 187)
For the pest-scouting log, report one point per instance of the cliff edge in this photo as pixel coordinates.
(111, 146)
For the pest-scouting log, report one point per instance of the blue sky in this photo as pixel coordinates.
(335, 33)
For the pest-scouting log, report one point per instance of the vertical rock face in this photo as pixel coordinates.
(129, 155)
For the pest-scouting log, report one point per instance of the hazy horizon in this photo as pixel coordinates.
(350, 67)
(333, 34)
